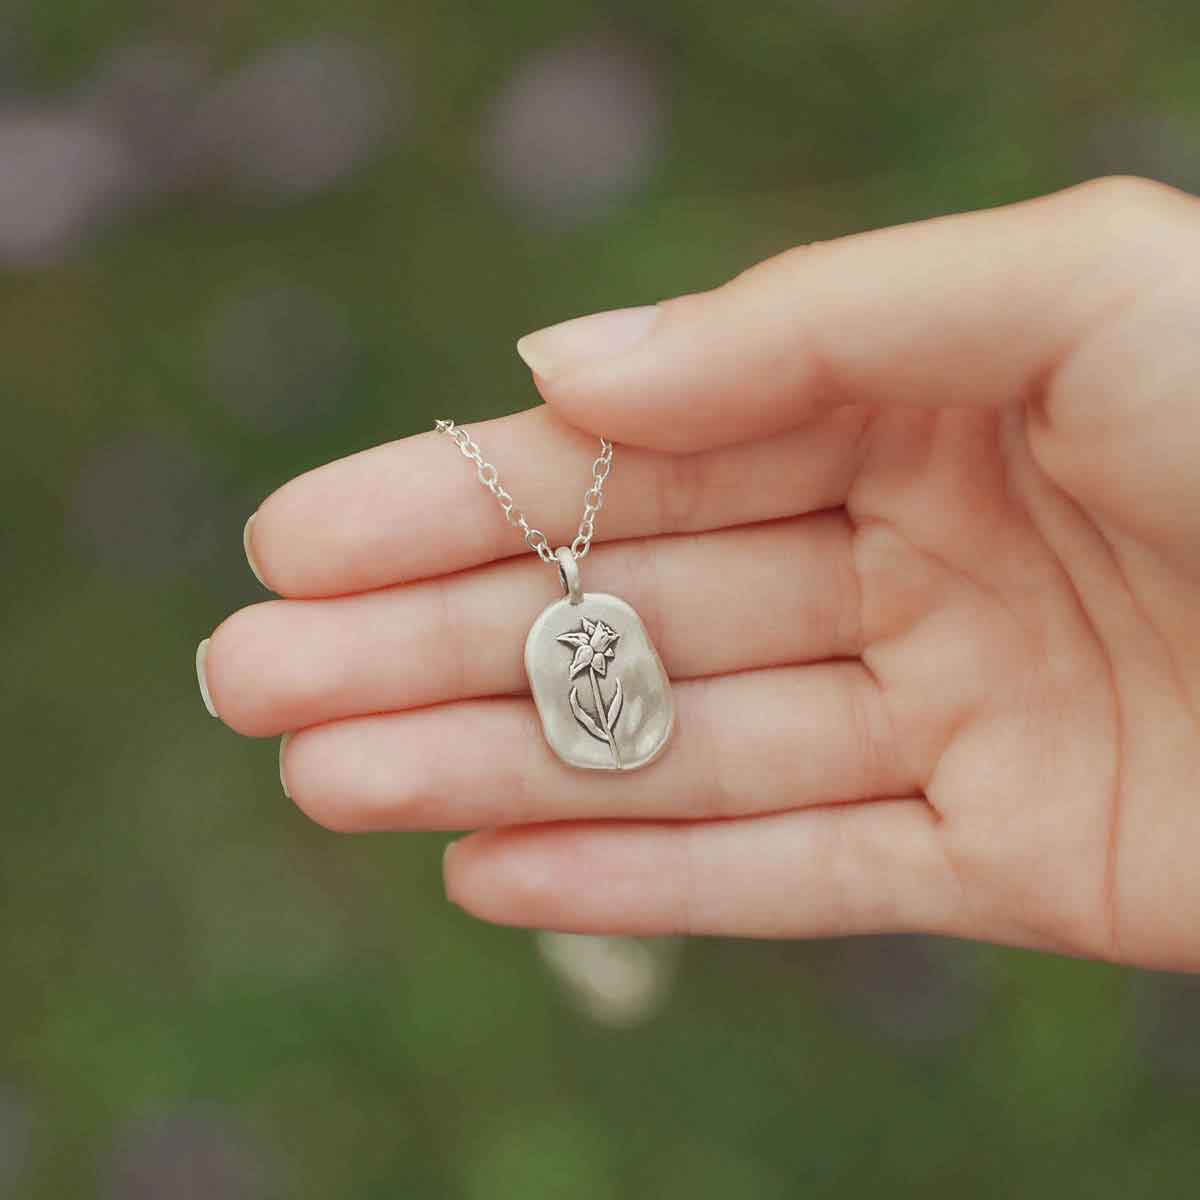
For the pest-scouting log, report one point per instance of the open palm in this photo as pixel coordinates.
(914, 521)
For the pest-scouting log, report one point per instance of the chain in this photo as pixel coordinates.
(535, 539)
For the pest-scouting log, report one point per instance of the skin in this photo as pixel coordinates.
(913, 518)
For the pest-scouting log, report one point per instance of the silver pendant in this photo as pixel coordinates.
(601, 691)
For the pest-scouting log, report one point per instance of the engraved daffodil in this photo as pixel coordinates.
(595, 645)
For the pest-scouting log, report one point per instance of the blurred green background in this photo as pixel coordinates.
(237, 240)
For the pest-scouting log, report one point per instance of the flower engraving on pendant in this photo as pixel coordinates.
(595, 647)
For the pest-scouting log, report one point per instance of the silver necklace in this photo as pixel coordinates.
(600, 689)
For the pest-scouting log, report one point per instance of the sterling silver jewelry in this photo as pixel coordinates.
(600, 689)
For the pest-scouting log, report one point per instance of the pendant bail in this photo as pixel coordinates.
(568, 573)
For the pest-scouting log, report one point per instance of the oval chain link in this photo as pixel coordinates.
(535, 539)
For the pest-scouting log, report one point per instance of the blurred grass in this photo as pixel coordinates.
(175, 934)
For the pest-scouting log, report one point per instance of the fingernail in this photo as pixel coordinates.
(600, 335)
(249, 551)
(283, 741)
(201, 676)
(447, 854)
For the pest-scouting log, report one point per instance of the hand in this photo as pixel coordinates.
(914, 520)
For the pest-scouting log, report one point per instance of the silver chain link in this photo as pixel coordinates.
(535, 539)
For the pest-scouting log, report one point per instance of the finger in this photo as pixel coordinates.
(414, 508)
(979, 309)
(752, 742)
(858, 868)
(760, 596)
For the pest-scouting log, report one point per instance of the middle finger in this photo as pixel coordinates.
(758, 596)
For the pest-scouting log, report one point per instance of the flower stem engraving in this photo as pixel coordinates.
(595, 647)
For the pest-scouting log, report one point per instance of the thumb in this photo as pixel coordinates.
(977, 309)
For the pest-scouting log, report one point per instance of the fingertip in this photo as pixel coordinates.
(248, 547)
(465, 886)
(269, 538)
(283, 745)
(557, 349)
(501, 876)
(670, 378)
(460, 869)
(606, 374)
(447, 870)
(202, 676)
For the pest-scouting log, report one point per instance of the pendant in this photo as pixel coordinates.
(599, 686)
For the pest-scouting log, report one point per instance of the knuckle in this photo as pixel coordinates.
(688, 308)
(1130, 208)
(443, 633)
(1126, 193)
(1146, 241)
(837, 607)
(682, 489)
(687, 918)
(786, 261)
(868, 730)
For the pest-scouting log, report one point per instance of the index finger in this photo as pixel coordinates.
(415, 508)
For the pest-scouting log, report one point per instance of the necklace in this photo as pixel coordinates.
(601, 692)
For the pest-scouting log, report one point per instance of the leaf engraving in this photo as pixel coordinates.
(585, 718)
(614, 708)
